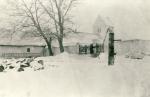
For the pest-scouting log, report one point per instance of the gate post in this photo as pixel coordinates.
(111, 52)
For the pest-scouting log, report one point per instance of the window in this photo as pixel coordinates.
(28, 49)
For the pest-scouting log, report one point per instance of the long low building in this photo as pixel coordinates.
(74, 43)
(21, 48)
(132, 46)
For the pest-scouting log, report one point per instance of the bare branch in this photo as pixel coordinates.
(69, 7)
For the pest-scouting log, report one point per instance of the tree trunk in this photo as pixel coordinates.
(49, 48)
(61, 47)
(48, 42)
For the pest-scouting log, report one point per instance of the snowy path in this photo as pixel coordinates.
(105, 81)
(78, 76)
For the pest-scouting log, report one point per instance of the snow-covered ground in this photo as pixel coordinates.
(67, 75)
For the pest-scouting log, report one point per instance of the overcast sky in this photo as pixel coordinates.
(131, 18)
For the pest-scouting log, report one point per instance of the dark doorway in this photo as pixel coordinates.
(91, 49)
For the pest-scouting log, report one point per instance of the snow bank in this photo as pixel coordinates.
(135, 55)
(55, 61)
(80, 76)
(59, 57)
(103, 57)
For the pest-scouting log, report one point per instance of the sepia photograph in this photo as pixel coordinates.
(74, 48)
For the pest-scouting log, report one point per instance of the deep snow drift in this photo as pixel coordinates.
(67, 75)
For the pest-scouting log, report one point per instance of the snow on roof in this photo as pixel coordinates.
(78, 37)
(34, 41)
(69, 39)
(101, 26)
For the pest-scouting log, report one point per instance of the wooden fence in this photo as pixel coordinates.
(20, 55)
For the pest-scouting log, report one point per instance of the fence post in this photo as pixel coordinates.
(111, 52)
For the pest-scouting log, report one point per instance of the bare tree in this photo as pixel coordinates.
(59, 12)
(9, 29)
(32, 13)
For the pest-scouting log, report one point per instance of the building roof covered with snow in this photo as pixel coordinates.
(22, 42)
(78, 37)
(69, 39)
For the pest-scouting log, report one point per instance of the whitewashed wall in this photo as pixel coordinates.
(21, 49)
(132, 46)
(69, 49)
